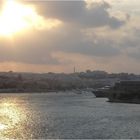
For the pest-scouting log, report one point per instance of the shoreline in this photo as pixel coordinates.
(124, 101)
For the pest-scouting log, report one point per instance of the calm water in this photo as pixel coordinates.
(54, 115)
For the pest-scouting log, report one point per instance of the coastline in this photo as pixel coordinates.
(133, 101)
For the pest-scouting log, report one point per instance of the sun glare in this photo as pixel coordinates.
(16, 17)
(13, 113)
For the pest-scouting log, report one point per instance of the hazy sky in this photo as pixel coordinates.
(43, 36)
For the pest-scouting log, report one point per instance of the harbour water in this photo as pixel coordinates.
(66, 115)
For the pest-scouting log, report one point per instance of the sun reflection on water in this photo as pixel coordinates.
(12, 115)
(2, 126)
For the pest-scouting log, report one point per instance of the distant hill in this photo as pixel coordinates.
(43, 82)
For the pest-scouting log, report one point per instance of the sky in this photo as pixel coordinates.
(56, 36)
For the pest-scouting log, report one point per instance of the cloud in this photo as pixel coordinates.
(38, 47)
(76, 41)
(27, 50)
(69, 38)
(1, 4)
(135, 55)
(76, 12)
(87, 37)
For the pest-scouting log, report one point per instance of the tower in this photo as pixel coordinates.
(74, 70)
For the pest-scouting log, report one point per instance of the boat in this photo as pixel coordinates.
(126, 92)
(101, 92)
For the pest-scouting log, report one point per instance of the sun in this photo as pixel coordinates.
(16, 17)
(13, 17)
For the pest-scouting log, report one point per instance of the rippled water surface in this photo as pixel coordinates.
(66, 115)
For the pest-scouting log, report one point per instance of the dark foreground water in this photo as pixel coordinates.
(61, 115)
